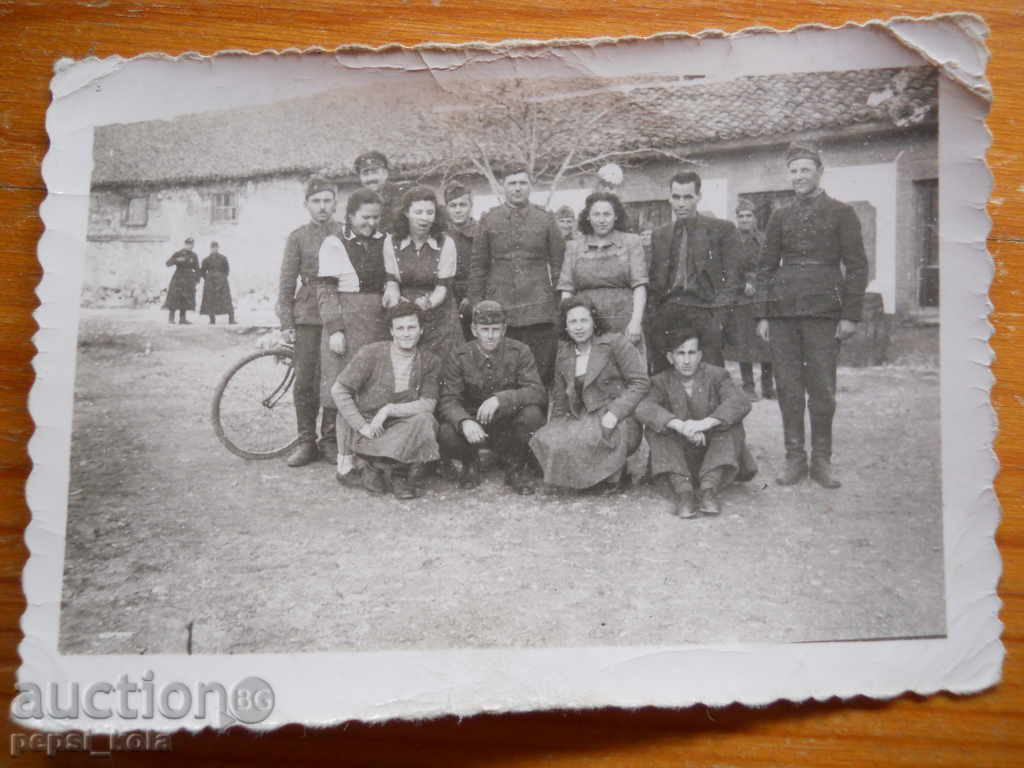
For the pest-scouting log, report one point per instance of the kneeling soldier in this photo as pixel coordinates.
(694, 418)
(491, 395)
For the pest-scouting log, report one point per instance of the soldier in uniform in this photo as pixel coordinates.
(462, 229)
(181, 293)
(491, 395)
(694, 272)
(745, 346)
(517, 257)
(373, 170)
(299, 313)
(811, 279)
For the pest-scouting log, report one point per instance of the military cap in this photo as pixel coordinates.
(803, 150)
(745, 205)
(454, 190)
(318, 184)
(513, 168)
(371, 159)
(565, 212)
(214, 244)
(189, 240)
(488, 312)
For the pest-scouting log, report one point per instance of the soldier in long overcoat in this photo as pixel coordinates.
(811, 279)
(693, 273)
(517, 257)
(181, 292)
(216, 289)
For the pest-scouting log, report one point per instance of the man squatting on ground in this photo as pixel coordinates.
(387, 395)
(491, 396)
(693, 416)
(517, 256)
(299, 313)
(811, 278)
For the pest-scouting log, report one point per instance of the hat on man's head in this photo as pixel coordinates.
(488, 312)
(371, 159)
(214, 244)
(318, 184)
(677, 336)
(513, 168)
(189, 240)
(454, 190)
(803, 150)
(745, 205)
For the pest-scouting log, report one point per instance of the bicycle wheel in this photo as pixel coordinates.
(253, 410)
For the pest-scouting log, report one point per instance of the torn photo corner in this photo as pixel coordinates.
(750, 459)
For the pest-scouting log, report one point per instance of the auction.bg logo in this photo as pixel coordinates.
(249, 702)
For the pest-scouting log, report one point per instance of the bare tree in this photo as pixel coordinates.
(557, 134)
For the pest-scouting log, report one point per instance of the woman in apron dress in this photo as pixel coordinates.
(421, 262)
(607, 265)
(350, 293)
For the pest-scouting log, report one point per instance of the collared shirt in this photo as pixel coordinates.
(432, 263)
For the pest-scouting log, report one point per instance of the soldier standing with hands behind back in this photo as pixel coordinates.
(517, 257)
(811, 279)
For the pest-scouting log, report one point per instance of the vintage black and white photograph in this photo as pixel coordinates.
(639, 349)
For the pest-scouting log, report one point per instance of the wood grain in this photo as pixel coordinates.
(943, 730)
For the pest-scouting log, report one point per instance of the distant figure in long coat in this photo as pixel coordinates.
(216, 291)
(694, 418)
(181, 293)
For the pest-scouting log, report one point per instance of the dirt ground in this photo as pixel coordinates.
(168, 531)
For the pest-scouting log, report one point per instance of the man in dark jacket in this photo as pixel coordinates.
(694, 272)
(299, 313)
(694, 417)
(811, 281)
(491, 395)
(373, 170)
(517, 258)
(462, 228)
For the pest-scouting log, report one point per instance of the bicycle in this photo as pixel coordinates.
(253, 411)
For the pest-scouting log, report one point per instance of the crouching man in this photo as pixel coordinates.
(694, 417)
(386, 397)
(491, 396)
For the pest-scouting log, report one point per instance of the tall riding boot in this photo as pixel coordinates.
(469, 477)
(181, 318)
(796, 456)
(821, 454)
(767, 382)
(747, 376)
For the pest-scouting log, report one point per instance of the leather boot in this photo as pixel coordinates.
(709, 503)
(417, 476)
(469, 477)
(517, 480)
(794, 472)
(821, 473)
(684, 496)
(304, 453)
(374, 479)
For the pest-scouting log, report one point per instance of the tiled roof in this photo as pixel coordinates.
(415, 128)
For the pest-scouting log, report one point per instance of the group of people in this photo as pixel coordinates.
(422, 336)
(181, 293)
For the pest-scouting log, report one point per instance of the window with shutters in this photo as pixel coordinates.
(224, 207)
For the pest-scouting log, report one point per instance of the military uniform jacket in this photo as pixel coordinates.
(714, 395)
(517, 257)
(813, 263)
(301, 263)
(463, 237)
(713, 246)
(391, 194)
(471, 376)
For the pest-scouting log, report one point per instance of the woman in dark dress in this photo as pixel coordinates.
(216, 291)
(350, 292)
(600, 379)
(181, 293)
(421, 263)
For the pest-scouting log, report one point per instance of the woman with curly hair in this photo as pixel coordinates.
(421, 261)
(600, 379)
(607, 265)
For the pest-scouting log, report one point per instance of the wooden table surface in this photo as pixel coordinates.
(981, 730)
